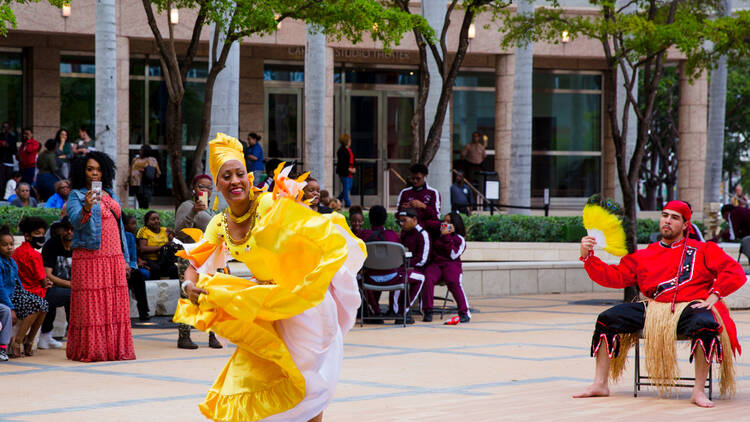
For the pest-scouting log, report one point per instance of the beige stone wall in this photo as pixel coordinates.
(691, 150)
(251, 95)
(123, 116)
(43, 106)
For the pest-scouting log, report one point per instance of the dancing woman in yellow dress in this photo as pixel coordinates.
(289, 318)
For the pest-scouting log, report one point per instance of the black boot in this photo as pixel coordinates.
(183, 341)
(213, 342)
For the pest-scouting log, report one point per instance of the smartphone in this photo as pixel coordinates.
(203, 198)
(96, 186)
(444, 226)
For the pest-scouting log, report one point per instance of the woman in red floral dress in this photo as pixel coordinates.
(99, 303)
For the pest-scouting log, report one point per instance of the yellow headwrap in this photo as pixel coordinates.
(222, 149)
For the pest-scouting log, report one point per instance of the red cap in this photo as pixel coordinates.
(681, 207)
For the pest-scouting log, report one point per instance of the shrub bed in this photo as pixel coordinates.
(524, 228)
(11, 216)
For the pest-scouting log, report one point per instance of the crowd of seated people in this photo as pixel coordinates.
(436, 247)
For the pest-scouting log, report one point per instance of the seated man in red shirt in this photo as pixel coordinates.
(686, 274)
(30, 264)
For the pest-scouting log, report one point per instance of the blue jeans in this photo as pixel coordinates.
(6, 319)
(346, 183)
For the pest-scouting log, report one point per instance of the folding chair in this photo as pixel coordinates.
(385, 256)
(639, 379)
(744, 248)
(444, 309)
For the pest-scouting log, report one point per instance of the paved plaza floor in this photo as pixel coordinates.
(520, 359)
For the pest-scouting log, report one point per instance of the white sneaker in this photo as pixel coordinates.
(46, 341)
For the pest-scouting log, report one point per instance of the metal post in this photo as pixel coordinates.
(361, 186)
(546, 202)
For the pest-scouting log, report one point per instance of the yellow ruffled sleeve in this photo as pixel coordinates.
(295, 253)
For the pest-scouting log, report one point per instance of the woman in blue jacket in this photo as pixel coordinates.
(99, 302)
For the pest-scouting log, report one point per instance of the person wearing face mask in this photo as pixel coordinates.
(289, 318)
(29, 260)
(99, 302)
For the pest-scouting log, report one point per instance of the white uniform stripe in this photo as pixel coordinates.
(437, 199)
(426, 249)
(461, 248)
(466, 298)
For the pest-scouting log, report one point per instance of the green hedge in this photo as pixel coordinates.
(523, 228)
(11, 216)
(480, 228)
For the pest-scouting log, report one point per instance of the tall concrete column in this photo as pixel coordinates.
(106, 78)
(691, 150)
(440, 167)
(519, 188)
(123, 119)
(632, 130)
(328, 142)
(716, 117)
(505, 65)
(225, 105)
(315, 105)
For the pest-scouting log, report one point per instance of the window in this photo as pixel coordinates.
(148, 106)
(284, 87)
(11, 89)
(566, 134)
(473, 110)
(77, 93)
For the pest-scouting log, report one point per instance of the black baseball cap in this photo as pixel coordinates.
(408, 212)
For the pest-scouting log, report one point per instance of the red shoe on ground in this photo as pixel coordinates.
(453, 321)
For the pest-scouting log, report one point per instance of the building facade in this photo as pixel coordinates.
(47, 68)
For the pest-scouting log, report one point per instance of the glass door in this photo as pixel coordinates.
(379, 123)
(397, 142)
(362, 124)
(283, 123)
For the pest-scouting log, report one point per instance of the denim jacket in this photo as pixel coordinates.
(88, 235)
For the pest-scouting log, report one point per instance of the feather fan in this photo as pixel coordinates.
(603, 219)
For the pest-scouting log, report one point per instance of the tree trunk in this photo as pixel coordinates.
(173, 135)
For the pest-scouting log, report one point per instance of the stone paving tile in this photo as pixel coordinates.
(520, 359)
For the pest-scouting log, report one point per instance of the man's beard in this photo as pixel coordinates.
(669, 236)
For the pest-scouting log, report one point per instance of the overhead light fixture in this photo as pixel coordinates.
(565, 36)
(66, 10)
(472, 31)
(174, 16)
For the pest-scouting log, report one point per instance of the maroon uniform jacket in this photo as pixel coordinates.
(706, 269)
(428, 196)
(448, 247)
(417, 241)
(378, 234)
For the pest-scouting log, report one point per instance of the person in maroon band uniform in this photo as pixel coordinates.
(445, 265)
(676, 269)
(421, 197)
(378, 233)
(416, 239)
